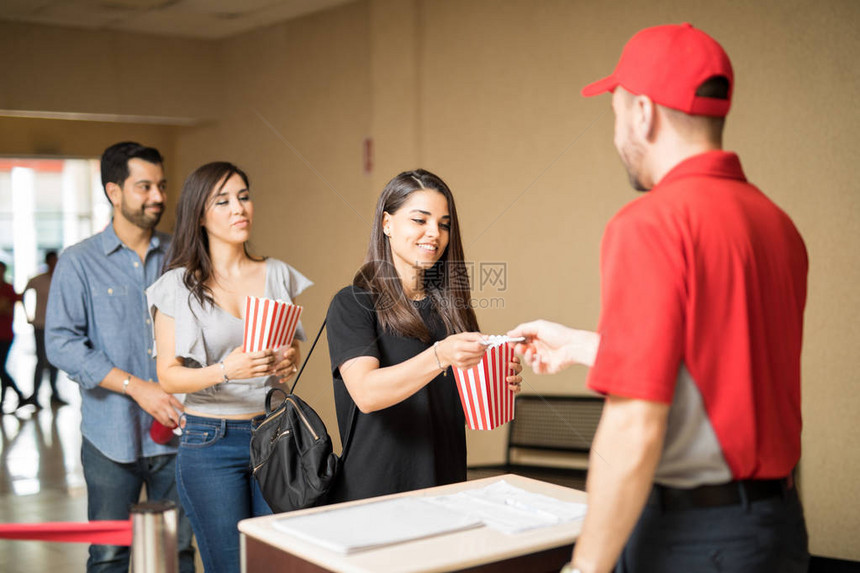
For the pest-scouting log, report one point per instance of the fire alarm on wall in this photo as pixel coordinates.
(367, 155)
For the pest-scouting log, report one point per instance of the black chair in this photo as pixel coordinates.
(549, 439)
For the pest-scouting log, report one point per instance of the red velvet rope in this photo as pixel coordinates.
(97, 532)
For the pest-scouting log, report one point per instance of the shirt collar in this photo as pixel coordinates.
(110, 241)
(718, 163)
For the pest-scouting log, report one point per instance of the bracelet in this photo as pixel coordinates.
(223, 372)
(125, 384)
(438, 362)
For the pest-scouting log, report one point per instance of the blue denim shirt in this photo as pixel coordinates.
(97, 319)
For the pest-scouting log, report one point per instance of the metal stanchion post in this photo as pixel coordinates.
(153, 542)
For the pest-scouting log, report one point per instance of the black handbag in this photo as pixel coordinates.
(291, 452)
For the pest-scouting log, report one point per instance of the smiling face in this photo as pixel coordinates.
(229, 212)
(140, 199)
(418, 233)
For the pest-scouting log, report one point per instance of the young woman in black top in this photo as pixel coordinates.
(394, 335)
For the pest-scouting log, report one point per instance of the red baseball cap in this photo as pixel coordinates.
(668, 64)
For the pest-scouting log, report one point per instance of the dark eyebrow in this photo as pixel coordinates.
(148, 181)
(222, 192)
(428, 213)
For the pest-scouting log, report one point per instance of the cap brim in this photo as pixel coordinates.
(607, 84)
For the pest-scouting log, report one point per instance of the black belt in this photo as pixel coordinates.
(732, 493)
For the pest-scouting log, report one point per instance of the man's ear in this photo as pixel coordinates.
(644, 117)
(114, 193)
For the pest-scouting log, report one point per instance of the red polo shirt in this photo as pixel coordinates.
(706, 272)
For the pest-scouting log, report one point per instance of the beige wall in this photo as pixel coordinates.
(57, 69)
(297, 108)
(486, 93)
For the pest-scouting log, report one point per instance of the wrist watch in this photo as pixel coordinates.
(569, 568)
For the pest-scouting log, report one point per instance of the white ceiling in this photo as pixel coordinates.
(203, 19)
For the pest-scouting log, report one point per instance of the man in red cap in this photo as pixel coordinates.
(703, 287)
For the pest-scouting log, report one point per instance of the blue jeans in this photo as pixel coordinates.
(764, 536)
(217, 489)
(112, 488)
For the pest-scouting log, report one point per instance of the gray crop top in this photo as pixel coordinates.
(205, 335)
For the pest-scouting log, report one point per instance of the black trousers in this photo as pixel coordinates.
(5, 377)
(42, 363)
(765, 536)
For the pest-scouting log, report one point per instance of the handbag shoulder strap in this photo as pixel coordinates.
(308, 357)
(353, 410)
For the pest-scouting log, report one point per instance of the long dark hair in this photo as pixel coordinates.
(190, 246)
(446, 282)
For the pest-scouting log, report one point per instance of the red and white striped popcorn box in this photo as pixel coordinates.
(487, 401)
(269, 323)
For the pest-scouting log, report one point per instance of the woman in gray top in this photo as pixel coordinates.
(197, 308)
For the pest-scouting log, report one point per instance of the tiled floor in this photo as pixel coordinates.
(40, 471)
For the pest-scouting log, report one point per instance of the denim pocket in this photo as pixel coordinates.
(199, 435)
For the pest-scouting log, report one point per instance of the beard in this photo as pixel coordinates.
(631, 156)
(141, 217)
(635, 182)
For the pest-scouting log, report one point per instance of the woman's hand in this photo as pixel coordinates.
(462, 350)
(515, 381)
(288, 362)
(241, 365)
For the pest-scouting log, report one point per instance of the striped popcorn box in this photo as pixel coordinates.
(484, 393)
(269, 323)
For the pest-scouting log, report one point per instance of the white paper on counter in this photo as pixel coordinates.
(510, 509)
(351, 529)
